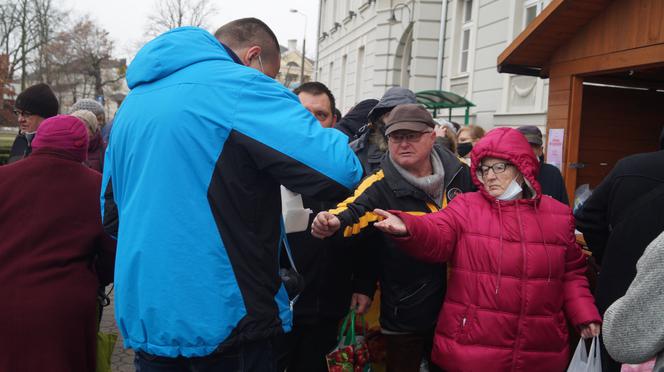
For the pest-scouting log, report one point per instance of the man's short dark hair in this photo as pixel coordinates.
(245, 32)
(317, 88)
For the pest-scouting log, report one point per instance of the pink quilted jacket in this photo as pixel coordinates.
(516, 272)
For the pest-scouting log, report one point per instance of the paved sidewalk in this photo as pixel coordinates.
(122, 360)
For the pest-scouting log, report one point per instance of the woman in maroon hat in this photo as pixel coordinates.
(53, 253)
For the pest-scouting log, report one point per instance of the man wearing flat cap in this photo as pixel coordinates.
(32, 106)
(415, 177)
(549, 176)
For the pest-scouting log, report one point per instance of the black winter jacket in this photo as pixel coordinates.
(330, 271)
(623, 215)
(552, 183)
(631, 178)
(411, 291)
(20, 148)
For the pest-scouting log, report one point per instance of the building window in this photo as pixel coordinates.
(329, 75)
(531, 8)
(468, 11)
(465, 35)
(344, 63)
(358, 74)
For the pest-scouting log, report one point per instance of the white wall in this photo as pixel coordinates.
(500, 99)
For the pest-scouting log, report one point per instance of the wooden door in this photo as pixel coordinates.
(616, 122)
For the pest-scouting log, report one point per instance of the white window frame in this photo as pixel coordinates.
(466, 27)
(539, 4)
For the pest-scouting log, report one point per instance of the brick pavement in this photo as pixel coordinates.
(122, 360)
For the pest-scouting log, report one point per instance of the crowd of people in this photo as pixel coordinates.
(467, 236)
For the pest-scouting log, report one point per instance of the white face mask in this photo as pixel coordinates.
(512, 192)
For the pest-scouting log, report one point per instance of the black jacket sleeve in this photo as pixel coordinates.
(593, 217)
(110, 217)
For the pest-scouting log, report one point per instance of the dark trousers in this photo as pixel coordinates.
(305, 347)
(255, 356)
(405, 352)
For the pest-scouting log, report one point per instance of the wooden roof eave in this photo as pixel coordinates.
(531, 52)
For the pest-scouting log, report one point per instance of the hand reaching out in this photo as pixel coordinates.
(390, 224)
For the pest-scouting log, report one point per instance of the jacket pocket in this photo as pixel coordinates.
(412, 294)
(466, 324)
(416, 310)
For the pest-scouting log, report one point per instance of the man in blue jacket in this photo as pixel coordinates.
(191, 191)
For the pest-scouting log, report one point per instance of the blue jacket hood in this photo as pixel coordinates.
(173, 51)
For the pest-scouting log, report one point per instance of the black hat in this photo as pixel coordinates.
(39, 100)
(532, 134)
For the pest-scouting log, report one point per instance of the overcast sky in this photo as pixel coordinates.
(126, 20)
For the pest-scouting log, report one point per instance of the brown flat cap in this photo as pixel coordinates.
(409, 117)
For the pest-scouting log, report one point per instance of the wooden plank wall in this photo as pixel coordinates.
(564, 107)
(624, 25)
(629, 34)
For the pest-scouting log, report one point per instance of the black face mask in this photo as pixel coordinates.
(464, 148)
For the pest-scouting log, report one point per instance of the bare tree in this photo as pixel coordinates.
(47, 21)
(177, 13)
(26, 26)
(81, 56)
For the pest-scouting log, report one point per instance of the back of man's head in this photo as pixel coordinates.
(316, 88)
(242, 34)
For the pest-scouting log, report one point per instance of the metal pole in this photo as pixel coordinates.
(441, 45)
(304, 43)
(318, 35)
(304, 46)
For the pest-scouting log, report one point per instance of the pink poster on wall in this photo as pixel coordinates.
(554, 147)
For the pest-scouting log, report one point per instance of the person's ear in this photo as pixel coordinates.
(251, 54)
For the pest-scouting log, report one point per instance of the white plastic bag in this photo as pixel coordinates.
(296, 218)
(582, 361)
(581, 194)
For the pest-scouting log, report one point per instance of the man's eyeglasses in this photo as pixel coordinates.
(25, 114)
(408, 137)
(496, 168)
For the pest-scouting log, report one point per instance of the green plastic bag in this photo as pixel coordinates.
(351, 353)
(105, 345)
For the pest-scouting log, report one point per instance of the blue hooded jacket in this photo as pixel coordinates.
(191, 191)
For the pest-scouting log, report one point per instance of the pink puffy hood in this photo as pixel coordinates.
(511, 145)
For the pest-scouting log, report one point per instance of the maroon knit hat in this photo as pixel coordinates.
(63, 132)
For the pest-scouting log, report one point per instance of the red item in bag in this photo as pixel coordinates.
(352, 353)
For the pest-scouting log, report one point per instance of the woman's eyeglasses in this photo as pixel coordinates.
(25, 114)
(496, 168)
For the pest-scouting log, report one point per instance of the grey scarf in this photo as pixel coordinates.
(433, 184)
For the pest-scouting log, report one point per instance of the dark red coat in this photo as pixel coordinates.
(515, 272)
(52, 251)
(96, 152)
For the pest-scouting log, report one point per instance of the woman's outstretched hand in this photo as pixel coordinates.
(391, 224)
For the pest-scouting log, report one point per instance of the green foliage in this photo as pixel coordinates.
(6, 140)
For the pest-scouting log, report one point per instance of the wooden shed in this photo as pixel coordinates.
(605, 62)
